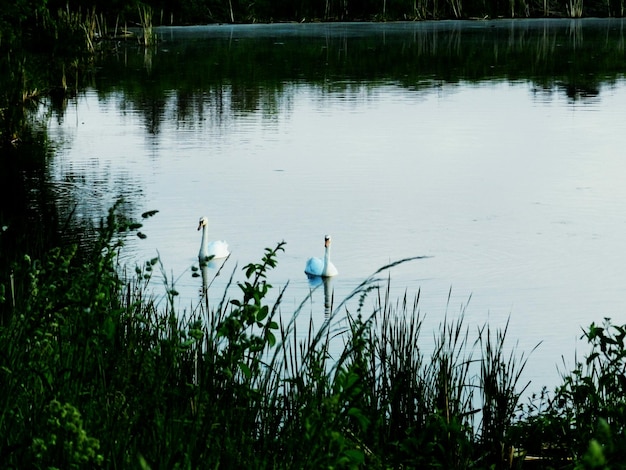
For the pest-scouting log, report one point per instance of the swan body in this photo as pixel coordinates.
(213, 250)
(322, 266)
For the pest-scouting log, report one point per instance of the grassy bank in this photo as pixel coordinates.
(96, 376)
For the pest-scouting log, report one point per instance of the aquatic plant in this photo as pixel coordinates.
(575, 8)
(149, 37)
(94, 364)
(583, 422)
(499, 377)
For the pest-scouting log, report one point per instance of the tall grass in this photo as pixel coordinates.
(575, 8)
(97, 375)
(74, 27)
(149, 37)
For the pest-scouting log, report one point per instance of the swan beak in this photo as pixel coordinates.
(199, 226)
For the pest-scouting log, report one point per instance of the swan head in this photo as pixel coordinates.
(327, 241)
(203, 222)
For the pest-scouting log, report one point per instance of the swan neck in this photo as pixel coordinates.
(205, 242)
(326, 259)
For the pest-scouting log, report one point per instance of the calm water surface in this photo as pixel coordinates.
(514, 191)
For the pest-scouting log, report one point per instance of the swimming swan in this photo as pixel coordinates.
(214, 250)
(322, 267)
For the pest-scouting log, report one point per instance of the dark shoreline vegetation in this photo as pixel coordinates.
(95, 375)
(106, 15)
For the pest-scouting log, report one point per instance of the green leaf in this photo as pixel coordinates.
(187, 344)
(245, 370)
(263, 312)
(592, 357)
(355, 456)
(148, 214)
(196, 333)
(250, 270)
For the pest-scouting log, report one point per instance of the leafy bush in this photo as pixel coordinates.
(583, 424)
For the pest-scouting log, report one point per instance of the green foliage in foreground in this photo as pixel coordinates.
(94, 375)
(585, 420)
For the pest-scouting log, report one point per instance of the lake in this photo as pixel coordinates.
(493, 148)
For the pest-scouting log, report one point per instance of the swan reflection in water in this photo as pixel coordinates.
(315, 282)
(210, 269)
(321, 271)
(211, 255)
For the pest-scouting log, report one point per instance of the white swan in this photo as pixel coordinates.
(214, 250)
(322, 267)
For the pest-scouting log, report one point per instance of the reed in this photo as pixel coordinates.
(149, 37)
(74, 27)
(456, 6)
(574, 8)
(92, 362)
(499, 377)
